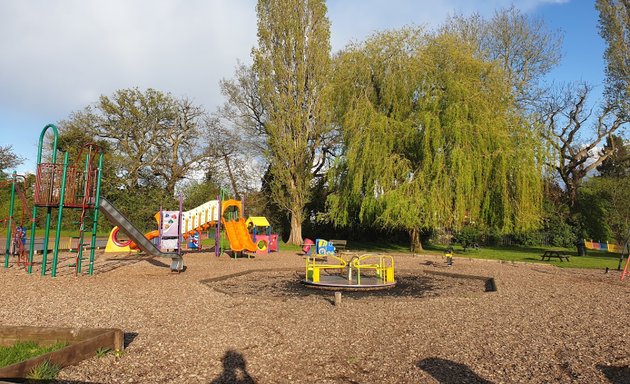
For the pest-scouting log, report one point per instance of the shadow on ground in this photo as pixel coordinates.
(239, 255)
(274, 283)
(157, 263)
(616, 375)
(129, 337)
(234, 370)
(450, 372)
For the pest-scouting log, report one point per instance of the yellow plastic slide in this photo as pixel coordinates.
(239, 237)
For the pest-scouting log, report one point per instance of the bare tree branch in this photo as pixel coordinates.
(564, 116)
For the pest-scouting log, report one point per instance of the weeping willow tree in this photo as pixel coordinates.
(431, 139)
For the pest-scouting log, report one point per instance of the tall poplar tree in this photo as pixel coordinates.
(292, 63)
(430, 139)
(614, 27)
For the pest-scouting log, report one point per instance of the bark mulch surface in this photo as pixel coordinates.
(543, 324)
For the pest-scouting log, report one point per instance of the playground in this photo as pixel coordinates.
(227, 319)
(246, 311)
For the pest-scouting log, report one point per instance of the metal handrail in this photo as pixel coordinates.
(385, 263)
(312, 262)
(380, 268)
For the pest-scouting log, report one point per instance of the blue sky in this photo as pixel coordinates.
(583, 50)
(59, 56)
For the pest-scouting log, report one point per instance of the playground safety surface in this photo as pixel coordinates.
(543, 324)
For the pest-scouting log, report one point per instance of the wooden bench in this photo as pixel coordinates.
(557, 254)
(340, 245)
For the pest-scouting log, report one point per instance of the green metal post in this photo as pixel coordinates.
(31, 249)
(45, 242)
(10, 221)
(62, 194)
(86, 192)
(97, 203)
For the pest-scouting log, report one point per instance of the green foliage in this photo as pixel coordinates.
(24, 350)
(150, 137)
(21, 211)
(431, 138)
(614, 27)
(556, 228)
(591, 215)
(558, 232)
(102, 352)
(617, 164)
(150, 142)
(198, 192)
(604, 213)
(292, 63)
(141, 204)
(8, 159)
(529, 238)
(468, 236)
(44, 371)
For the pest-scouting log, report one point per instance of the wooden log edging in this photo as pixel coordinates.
(489, 284)
(83, 344)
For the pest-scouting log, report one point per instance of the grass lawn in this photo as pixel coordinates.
(24, 350)
(594, 259)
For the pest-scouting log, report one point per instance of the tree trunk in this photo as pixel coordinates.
(231, 176)
(170, 187)
(574, 204)
(296, 229)
(414, 239)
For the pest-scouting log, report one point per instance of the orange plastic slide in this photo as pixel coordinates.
(240, 239)
(148, 235)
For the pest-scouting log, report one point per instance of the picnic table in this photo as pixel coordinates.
(557, 254)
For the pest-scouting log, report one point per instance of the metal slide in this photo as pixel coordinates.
(117, 218)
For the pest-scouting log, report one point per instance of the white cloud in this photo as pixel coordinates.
(63, 54)
(59, 56)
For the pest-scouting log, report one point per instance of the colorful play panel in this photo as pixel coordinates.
(83, 343)
(261, 231)
(614, 248)
(364, 272)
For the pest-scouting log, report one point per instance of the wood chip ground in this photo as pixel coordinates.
(543, 325)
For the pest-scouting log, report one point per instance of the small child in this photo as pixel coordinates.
(449, 256)
(19, 240)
